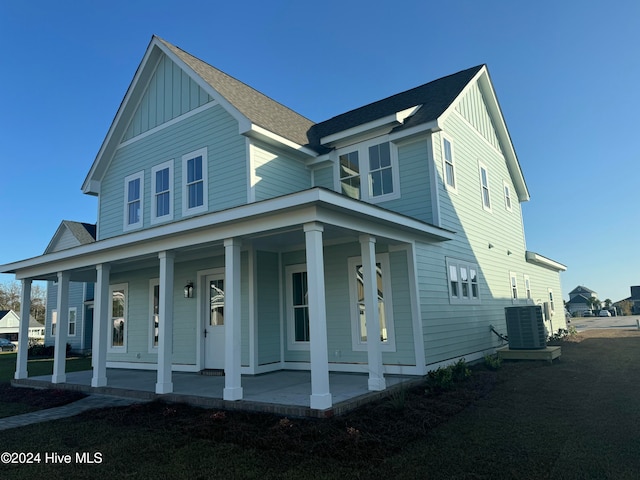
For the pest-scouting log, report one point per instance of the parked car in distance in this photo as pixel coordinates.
(604, 313)
(587, 313)
(6, 345)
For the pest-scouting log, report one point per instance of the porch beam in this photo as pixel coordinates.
(100, 326)
(164, 382)
(232, 349)
(372, 315)
(60, 351)
(23, 330)
(318, 346)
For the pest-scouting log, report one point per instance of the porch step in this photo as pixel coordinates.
(212, 372)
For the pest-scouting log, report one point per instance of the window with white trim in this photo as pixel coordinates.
(507, 196)
(484, 187)
(463, 281)
(448, 164)
(297, 307)
(369, 171)
(133, 198)
(385, 304)
(73, 313)
(54, 322)
(551, 303)
(118, 315)
(194, 182)
(527, 287)
(513, 282)
(154, 317)
(162, 192)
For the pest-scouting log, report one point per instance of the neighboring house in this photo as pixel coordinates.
(582, 291)
(235, 234)
(578, 304)
(634, 299)
(10, 322)
(80, 297)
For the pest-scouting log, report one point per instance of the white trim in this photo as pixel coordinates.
(527, 288)
(75, 322)
(451, 188)
(538, 259)
(112, 289)
(153, 283)
(292, 344)
(54, 316)
(155, 219)
(202, 152)
(513, 284)
(460, 266)
(508, 200)
(482, 137)
(481, 167)
(167, 124)
(255, 131)
(434, 184)
(252, 178)
(201, 296)
(356, 344)
(126, 226)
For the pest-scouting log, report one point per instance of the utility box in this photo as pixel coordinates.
(525, 327)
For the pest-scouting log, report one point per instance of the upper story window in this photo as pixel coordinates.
(194, 182)
(463, 281)
(448, 164)
(133, 196)
(527, 287)
(162, 191)
(514, 286)
(507, 196)
(484, 184)
(369, 171)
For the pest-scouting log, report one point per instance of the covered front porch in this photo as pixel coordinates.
(284, 392)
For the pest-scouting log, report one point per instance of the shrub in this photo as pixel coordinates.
(42, 351)
(492, 362)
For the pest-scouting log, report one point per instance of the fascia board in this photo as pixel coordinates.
(538, 259)
(260, 133)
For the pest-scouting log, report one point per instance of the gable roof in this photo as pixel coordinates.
(82, 232)
(581, 289)
(579, 299)
(261, 116)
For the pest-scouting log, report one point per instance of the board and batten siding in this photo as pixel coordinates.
(212, 128)
(493, 240)
(169, 94)
(275, 174)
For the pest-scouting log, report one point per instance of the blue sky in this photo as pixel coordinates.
(566, 75)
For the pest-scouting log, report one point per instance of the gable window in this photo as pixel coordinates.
(514, 286)
(194, 182)
(54, 322)
(154, 308)
(297, 307)
(118, 316)
(448, 166)
(385, 310)
(527, 287)
(133, 195)
(72, 321)
(484, 184)
(369, 171)
(162, 186)
(463, 281)
(507, 196)
(350, 175)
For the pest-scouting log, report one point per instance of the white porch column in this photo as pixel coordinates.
(62, 327)
(100, 326)
(320, 395)
(23, 330)
(164, 382)
(370, 284)
(232, 340)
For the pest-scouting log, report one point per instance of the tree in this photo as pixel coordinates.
(10, 299)
(626, 307)
(607, 303)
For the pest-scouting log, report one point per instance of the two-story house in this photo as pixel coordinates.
(235, 234)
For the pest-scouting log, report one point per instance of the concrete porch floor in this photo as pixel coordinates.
(283, 392)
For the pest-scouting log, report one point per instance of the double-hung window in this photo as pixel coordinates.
(527, 287)
(297, 307)
(385, 302)
(194, 182)
(54, 322)
(463, 281)
(369, 171)
(162, 188)
(118, 316)
(448, 164)
(507, 196)
(514, 286)
(484, 187)
(73, 313)
(154, 310)
(133, 198)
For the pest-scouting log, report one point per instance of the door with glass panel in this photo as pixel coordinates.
(214, 322)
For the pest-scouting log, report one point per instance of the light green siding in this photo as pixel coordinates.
(275, 173)
(323, 177)
(213, 128)
(170, 93)
(268, 307)
(473, 108)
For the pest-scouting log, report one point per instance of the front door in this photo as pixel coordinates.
(214, 322)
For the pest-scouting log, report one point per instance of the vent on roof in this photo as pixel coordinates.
(525, 327)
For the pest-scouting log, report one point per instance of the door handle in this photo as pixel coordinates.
(205, 333)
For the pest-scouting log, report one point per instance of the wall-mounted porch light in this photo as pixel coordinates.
(188, 290)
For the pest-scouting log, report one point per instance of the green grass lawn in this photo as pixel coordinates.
(575, 419)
